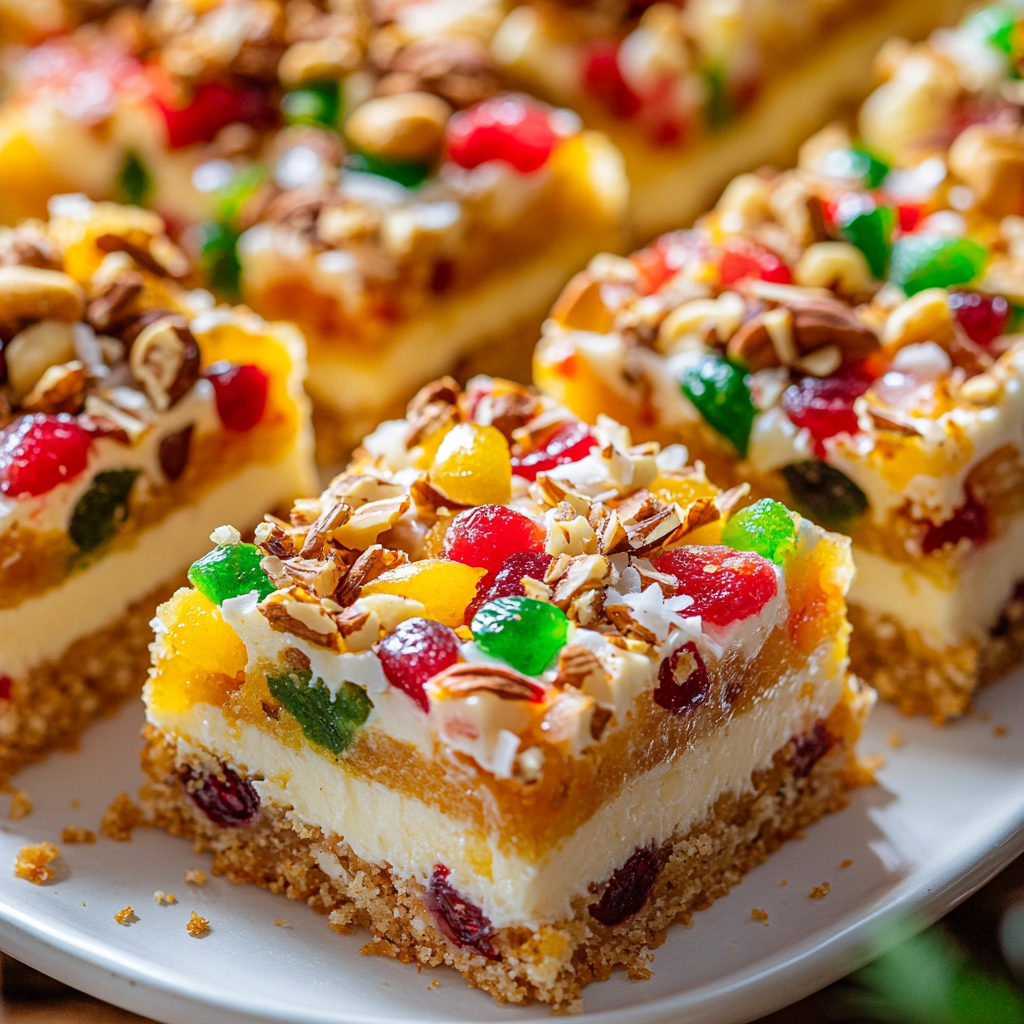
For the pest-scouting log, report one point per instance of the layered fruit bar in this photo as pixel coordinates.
(135, 415)
(356, 170)
(514, 693)
(845, 335)
(695, 93)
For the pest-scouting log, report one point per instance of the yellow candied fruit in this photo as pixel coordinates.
(426, 450)
(200, 635)
(26, 179)
(683, 489)
(444, 588)
(473, 466)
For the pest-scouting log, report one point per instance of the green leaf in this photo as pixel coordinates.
(102, 509)
(330, 723)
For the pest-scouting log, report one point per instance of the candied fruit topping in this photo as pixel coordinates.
(521, 631)
(510, 129)
(935, 261)
(330, 720)
(969, 522)
(720, 392)
(241, 395)
(742, 258)
(444, 588)
(102, 508)
(39, 452)
(214, 106)
(462, 922)
(487, 535)
(628, 889)
(472, 466)
(6, 687)
(230, 570)
(983, 317)
(726, 585)
(317, 103)
(869, 227)
(683, 682)
(201, 636)
(856, 163)
(223, 796)
(828, 495)
(603, 79)
(810, 748)
(571, 442)
(508, 580)
(767, 527)
(824, 405)
(415, 651)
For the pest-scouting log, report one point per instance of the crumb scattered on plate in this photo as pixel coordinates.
(164, 898)
(120, 818)
(197, 925)
(282, 922)
(126, 916)
(195, 877)
(759, 915)
(75, 803)
(785, 881)
(1000, 730)
(984, 716)
(896, 739)
(819, 892)
(21, 805)
(75, 834)
(32, 862)
(846, 863)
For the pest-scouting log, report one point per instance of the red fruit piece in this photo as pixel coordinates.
(571, 442)
(214, 106)
(229, 800)
(968, 522)
(725, 585)
(39, 452)
(512, 129)
(746, 259)
(602, 78)
(241, 394)
(824, 405)
(508, 581)
(485, 536)
(677, 694)
(628, 888)
(810, 748)
(415, 651)
(910, 215)
(6, 685)
(983, 317)
(461, 922)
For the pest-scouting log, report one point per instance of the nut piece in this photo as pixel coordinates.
(299, 613)
(60, 389)
(991, 162)
(313, 59)
(465, 680)
(836, 265)
(578, 666)
(165, 361)
(29, 293)
(404, 127)
(31, 352)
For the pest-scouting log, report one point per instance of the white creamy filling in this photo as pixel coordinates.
(384, 826)
(984, 582)
(41, 628)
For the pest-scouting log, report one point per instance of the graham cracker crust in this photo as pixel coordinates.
(555, 963)
(921, 679)
(52, 705)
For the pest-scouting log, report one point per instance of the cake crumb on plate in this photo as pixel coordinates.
(72, 834)
(759, 915)
(32, 862)
(21, 805)
(120, 818)
(819, 892)
(164, 899)
(846, 863)
(126, 916)
(197, 925)
(195, 877)
(282, 922)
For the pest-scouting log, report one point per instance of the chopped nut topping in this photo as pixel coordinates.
(165, 360)
(465, 680)
(300, 613)
(578, 666)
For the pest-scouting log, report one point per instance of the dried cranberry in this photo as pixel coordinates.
(678, 695)
(485, 536)
(742, 258)
(39, 452)
(983, 317)
(725, 585)
(628, 888)
(571, 442)
(602, 78)
(810, 748)
(968, 522)
(214, 106)
(415, 651)
(6, 685)
(241, 394)
(174, 451)
(508, 580)
(461, 921)
(225, 798)
(824, 405)
(512, 129)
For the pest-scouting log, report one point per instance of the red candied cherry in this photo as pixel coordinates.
(983, 317)
(726, 585)
(214, 106)
(415, 651)
(512, 129)
(810, 748)
(462, 922)
(824, 405)
(968, 522)
(241, 394)
(6, 686)
(909, 215)
(571, 442)
(508, 581)
(224, 796)
(664, 258)
(742, 258)
(628, 889)
(603, 79)
(485, 536)
(39, 452)
(683, 682)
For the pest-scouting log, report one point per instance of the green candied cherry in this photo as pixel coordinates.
(935, 261)
(767, 528)
(720, 392)
(134, 182)
(719, 108)
(102, 509)
(524, 633)
(856, 163)
(407, 173)
(328, 720)
(995, 25)
(828, 496)
(316, 103)
(230, 570)
(869, 228)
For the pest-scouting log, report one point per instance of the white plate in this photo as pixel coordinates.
(947, 815)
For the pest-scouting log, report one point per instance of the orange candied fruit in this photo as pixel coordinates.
(444, 588)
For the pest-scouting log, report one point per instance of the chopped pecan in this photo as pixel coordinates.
(60, 389)
(578, 666)
(583, 572)
(330, 519)
(143, 256)
(373, 562)
(445, 390)
(465, 680)
(113, 304)
(320, 576)
(458, 68)
(165, 360)
(427, 420)
(611, 535)
(298, 612)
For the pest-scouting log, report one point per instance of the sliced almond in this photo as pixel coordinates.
(31, 293)
(361, 530)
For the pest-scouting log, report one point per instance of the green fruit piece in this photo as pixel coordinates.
(134, 182)
(994, 25)
(406, 173)
(317, 104)
(102, 509)
(524, 633)
(935, 261)
(828, 496)
(871, 232)
(231, 197)
(330, 722)
(720, 392)
(230, 570)
(856, 163)
(218, 257)
(766, 527)
(719, 109)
